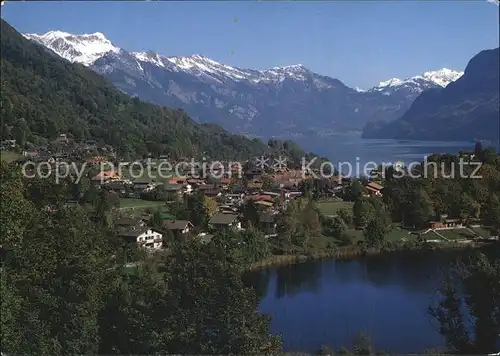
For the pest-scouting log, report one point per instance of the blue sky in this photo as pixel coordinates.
(360, 43)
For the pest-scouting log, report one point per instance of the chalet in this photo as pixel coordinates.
(374, 189)
(115, 186)
(173, 188)
(228, 209)
(176, 180)
(129, 223)
(234, 197)
(442, 222)
(255, 185)
(96, 160)
(212, 192)
(205, 238)
(178, 227)
(106, 176)
(204, 187)
(267, 222)
(270, 195)
(195, 182)
(146, 237)
(224, 221)
(293, 194)
(143, 185)
(264, 203)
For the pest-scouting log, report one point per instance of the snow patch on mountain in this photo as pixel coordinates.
(441, 77)
(83, 49)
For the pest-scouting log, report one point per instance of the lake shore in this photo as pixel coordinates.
(351, 252)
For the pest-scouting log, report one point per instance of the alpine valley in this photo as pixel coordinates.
(277, 101)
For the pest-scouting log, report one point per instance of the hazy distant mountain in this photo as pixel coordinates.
(467, 109)
(290, 99)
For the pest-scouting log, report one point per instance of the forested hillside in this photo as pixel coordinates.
(44, 96)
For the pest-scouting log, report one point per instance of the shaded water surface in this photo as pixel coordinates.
(329, 302)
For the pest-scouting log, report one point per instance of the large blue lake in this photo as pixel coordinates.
(330, 302)
(352, 148)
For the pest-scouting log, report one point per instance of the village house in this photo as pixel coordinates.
(213, 193)
(195, 182)
(176, 180)
(106, 176)
(267, 222)
(174, 189)
(228, 208)
(129, 223)
(115, 186)
(96, 160)
(204, 238)
(178, 227)
(234, 197)
(442, 222)
(374, 189)
(146, 237)
(225, 221)
(204, 187)
(143, 185)
(254, 186)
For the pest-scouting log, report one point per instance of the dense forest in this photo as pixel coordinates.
(65, 289)
(44, 96)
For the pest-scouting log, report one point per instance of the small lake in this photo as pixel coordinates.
(352, 148)
(329, 302)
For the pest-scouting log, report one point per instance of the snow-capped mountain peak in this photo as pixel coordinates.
(390, 83)
(84, 48)
(437, 78)
(87, 48)
(443, 76)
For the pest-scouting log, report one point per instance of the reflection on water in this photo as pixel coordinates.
(330, 302)
(297, 279)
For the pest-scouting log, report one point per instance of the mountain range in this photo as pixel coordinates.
(467, 109)
(281, 100)
(44, 95)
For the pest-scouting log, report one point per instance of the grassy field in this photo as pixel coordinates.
(130, 203)
(397, 233)
(482, 231)
(9, 156)
(455, 234)
(332, 207)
